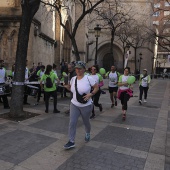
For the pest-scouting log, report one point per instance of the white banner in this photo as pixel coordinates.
(168, 58)
(126, 58)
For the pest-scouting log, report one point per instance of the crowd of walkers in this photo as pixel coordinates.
(84, 86)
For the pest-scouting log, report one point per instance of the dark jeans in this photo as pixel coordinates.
(145, 90)
(39, 94)
(5, 100)
(63, 91)
(47, 97)
(25, 95)
(95, 99)
(124, 97)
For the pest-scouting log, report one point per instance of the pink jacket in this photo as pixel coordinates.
(129, 91)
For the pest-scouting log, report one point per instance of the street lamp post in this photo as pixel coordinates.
(97, 31)
(152, 71)
(140, 58)
(159, 71)
(157, 68)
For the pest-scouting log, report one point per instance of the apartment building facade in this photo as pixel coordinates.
(161, 22)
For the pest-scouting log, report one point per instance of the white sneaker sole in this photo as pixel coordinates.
(66, 148)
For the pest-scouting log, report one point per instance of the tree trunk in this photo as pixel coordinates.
(111, 45)
(123, 57)
(76, 52)
(29, 8)
(135, 58)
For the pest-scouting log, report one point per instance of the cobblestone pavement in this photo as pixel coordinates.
(142, 142)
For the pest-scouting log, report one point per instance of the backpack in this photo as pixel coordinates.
(48, 82)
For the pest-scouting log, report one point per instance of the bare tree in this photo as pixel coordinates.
(112, 16)
(86, 6)
(137, 38)
(29, 8)
(124, 34)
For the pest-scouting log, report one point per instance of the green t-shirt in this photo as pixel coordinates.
(53, 78)
(10, 73)
(38, 73)
(63, 75)
(100, 77)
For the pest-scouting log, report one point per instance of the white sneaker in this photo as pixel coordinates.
(140, 101)
(145, 101)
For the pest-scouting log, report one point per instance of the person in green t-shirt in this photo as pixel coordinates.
(49, 79)
(40, 74)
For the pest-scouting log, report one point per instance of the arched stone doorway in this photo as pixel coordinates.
(106, 60)
(67, 44)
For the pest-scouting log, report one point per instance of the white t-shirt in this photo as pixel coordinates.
(55, 72)
(41, 73)
(2, 75)
(95, 78)
(26, 74)
(165, 70)
(124, 79)
(83, 86)
(113, 79)
(145, 82)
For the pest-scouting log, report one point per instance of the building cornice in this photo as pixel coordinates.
(36, 22)
(10, 18)
(47, 38)
(6, 20)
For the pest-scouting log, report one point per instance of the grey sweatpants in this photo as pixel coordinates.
(75, 112)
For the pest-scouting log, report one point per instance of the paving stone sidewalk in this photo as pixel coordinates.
(142, 142)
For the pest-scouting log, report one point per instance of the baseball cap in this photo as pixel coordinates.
(145, 69)
(80, 64)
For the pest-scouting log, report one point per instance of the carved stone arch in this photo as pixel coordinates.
(13, 32)
(1, 34)
(4, 45)
(106, 60)
(5, 38)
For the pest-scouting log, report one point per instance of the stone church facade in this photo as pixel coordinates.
(42, 43)
(49, 43)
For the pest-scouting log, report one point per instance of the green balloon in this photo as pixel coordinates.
(64, 74)
(102, 71)
(131, 79)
